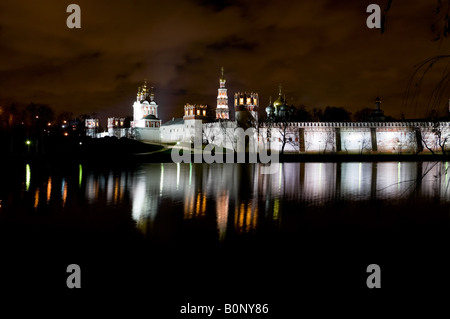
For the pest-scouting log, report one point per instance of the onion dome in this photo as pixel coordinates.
(270, 109)
(280, 101)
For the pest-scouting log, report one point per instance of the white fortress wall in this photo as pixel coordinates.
(148, 134)
(312, 137)
(172, 133)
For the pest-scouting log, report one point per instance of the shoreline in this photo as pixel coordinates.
(165, 157)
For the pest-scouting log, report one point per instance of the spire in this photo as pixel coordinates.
(377, 103)
(279, 89)
(222, 78)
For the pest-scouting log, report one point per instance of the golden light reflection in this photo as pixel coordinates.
(49, 189)
(194, 206)
(222, 213)
(245, 216)
(276, 208)
(203, 211)
(188, 206)
(36, 198)
(198, 203)
(116, 189)
(64, 192)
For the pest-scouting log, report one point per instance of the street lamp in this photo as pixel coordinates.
(28, 142)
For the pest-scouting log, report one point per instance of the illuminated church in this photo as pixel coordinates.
(145, 108)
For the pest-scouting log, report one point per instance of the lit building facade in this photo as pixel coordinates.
(246, 106)
(92, 126)
(145, 108)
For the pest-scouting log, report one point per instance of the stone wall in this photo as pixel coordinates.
(319, 137)
(358, 137)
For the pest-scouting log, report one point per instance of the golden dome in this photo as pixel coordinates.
(280, 101)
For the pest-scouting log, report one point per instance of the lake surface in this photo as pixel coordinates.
(236, 196)
(198, 225)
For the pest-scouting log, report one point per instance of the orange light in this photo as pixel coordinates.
(66, 134)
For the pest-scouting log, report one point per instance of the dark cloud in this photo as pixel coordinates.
(216, 5)
(233, 42)
(321, 51)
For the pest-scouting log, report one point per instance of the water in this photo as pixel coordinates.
(196, 225)
(236, 196)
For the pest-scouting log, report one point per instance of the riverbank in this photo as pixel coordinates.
(112, 150)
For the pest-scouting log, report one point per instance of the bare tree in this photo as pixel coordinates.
(435, 137)
(366, 144)
(329, 141)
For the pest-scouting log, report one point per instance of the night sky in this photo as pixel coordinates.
(320, 51)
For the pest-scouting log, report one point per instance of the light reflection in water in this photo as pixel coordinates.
(27, 177)
(64, 192)
(80, 175)
(245, 217)
(162, 180)
(237, 193)
(36, 198)
(222, 207)
(49, 189)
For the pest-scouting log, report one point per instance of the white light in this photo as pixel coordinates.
(27, 177)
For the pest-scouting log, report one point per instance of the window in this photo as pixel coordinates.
(241, 101)
(198, 112)
(204, 112)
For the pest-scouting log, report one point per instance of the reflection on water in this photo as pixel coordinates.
(236, 196)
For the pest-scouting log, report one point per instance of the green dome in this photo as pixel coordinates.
(270, 109)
